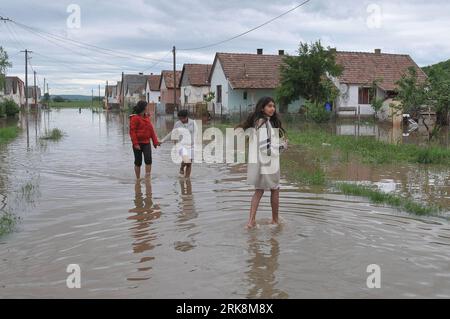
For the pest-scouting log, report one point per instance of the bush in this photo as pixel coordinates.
(9, 108)
(317, 112)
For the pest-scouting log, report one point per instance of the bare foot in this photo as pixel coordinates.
(275, 222)
(250, 225)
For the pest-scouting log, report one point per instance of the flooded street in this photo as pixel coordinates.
(78, 203)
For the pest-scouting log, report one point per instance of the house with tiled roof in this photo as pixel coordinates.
(118, 90)
(194, 83)
(132, 89)
(14, 89)
(111, 96)
(152, 93)
(360, 70)
(239, 80)
(167, 85)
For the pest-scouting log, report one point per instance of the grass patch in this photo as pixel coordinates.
(74, 104)
(377, 196)
(8, 133)
(293, 169)
(54, 135)
(369, 150)
(7, 223)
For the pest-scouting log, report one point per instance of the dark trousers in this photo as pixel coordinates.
(145, 150)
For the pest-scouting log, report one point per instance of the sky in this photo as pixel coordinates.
(80, 44)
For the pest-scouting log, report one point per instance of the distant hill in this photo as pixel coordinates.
(441, 65)
(73, 97)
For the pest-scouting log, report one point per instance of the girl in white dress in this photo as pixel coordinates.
(263, 170)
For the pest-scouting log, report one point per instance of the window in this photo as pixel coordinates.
(364, 96)
(245, 95)
(219, 94)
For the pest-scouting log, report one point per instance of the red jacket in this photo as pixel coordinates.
(141, 130)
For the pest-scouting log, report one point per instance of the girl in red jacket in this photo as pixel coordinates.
(141, 131)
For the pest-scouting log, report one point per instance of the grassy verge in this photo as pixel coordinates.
(296, 171)
(369, 150)
(376, 196)
(7, 134)
(54, 135)
(74, 104)
(7, 222)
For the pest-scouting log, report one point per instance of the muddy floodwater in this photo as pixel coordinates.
(78, 203)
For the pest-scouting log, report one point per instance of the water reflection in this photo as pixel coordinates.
(186, 216)
(263, 266)
(145, 213)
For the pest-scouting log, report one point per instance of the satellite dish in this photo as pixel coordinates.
(187, 91)
(344, 88)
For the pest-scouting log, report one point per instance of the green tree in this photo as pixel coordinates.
(439, 94)
(46, 98)
(58, 99)
(307, 75)
(411, 93)
(4, 64)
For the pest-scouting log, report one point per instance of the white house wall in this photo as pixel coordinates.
(154, 96)
(218, 78)
(196, 94)
(352, 101)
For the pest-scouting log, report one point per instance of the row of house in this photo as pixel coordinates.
(238, 80)
(14, 89)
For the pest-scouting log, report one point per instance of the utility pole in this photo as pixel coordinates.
(106, 95)
(48, 92)
(99, 101)
(35, 105)
(26, 95)
(43, 94)
(121, 94)
(175, 79)
(35, 91)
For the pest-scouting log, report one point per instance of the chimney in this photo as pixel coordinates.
(259, 51)
(280, 52)
(377, 51)
(151, 73)
(140, 73)
(333, 50)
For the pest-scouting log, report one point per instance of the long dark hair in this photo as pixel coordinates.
(139, 107)
(258, 113)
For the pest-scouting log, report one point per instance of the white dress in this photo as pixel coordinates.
(263, 170)
(186, 149)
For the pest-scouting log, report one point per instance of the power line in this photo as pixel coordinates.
(246, 32)
(47, 38)
(156, 63)
(101, 50)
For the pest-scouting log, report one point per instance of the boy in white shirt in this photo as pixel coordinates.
(187, 147)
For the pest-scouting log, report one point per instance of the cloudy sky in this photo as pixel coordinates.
(79, 44)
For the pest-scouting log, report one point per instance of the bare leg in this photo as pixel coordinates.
(275, 202)
(137, 171)
(148, 170)
(182, 168)
(254, 207)
(188, 170)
